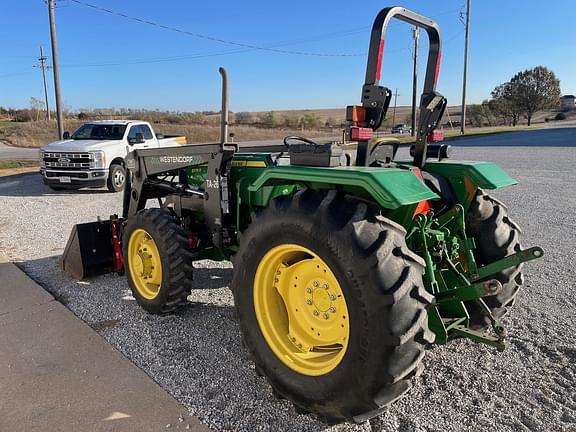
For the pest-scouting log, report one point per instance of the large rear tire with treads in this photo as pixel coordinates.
(496, 236)
(331, 304)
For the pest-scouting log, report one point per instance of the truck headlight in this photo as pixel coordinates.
(98, 159)
(41, 157)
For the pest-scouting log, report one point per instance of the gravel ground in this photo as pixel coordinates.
(196, 354)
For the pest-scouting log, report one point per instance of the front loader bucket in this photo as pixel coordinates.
(89, 251)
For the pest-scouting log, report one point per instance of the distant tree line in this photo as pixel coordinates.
(525, 94)
(273, 119)
(270, 119)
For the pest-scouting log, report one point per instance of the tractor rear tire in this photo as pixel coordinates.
(157, 260)
(379, 298)
(496, 236)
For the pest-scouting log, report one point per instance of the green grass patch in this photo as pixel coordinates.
(7, 124)
(17, 164)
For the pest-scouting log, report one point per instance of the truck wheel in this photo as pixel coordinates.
(116, 178)
(331, 304)
(496, 236)
(158, 263)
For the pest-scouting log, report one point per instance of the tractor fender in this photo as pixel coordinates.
(390, 188)
(486, 175)
(467, 176)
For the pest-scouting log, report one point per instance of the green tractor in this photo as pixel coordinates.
(348, 264)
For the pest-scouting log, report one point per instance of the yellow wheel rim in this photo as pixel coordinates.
(144, 264)
(301, 310)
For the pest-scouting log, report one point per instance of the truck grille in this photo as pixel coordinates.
(67, 160)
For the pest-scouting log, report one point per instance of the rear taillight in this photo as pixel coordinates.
(423, 207)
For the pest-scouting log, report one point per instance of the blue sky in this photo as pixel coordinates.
(110, 61)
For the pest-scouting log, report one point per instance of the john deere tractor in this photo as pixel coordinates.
(348, 263)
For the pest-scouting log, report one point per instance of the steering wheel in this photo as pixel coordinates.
(297, 138)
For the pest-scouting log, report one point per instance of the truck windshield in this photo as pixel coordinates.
(100, 132)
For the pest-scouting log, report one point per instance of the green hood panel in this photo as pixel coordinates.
(390, 188)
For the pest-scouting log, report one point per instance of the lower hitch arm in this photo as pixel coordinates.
(497, 341)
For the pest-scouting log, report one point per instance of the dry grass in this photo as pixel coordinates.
(37, 134)
(8, 168)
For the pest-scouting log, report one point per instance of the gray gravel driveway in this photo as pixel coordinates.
(196, 354)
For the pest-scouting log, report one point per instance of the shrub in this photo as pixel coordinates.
(560, 116)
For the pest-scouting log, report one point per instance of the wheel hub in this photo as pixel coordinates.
(144, 264)
(119, 178)
(303, 316)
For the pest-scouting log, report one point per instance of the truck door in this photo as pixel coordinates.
(148, 138)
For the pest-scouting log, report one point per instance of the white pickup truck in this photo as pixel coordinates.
(93, 156)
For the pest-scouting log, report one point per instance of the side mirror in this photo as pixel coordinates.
(138, 139)
(66, 135)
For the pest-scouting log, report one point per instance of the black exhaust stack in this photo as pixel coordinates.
(89, 251)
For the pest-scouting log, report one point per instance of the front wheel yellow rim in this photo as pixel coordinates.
(301, 309)
(144, 264)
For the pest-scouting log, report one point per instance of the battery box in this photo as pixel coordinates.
(318, 155)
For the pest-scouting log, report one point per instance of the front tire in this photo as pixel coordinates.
(158, 263)
(360, 350)
(116, 178)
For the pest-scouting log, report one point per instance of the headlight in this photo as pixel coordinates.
(98, 159)
(41, 157)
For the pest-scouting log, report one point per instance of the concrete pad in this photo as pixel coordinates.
(57, 374)
(16, 290)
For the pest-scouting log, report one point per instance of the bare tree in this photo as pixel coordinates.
(244, 118)
(36, 105)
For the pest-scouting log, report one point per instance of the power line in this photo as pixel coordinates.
(212, 38)
(215, 53)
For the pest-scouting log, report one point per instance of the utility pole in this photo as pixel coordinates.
(463, 120)
(43, 66)
(55, 68)
(416, 36)
(394, 111)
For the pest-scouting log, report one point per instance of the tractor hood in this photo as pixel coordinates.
(80, 145)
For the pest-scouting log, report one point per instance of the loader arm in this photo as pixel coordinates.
(158, 173)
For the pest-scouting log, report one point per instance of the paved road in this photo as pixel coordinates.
(559, 136)
(197, 356)
(552, 137)
(17, 153)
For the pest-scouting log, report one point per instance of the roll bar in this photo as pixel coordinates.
(376, 50)
(432, 104)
